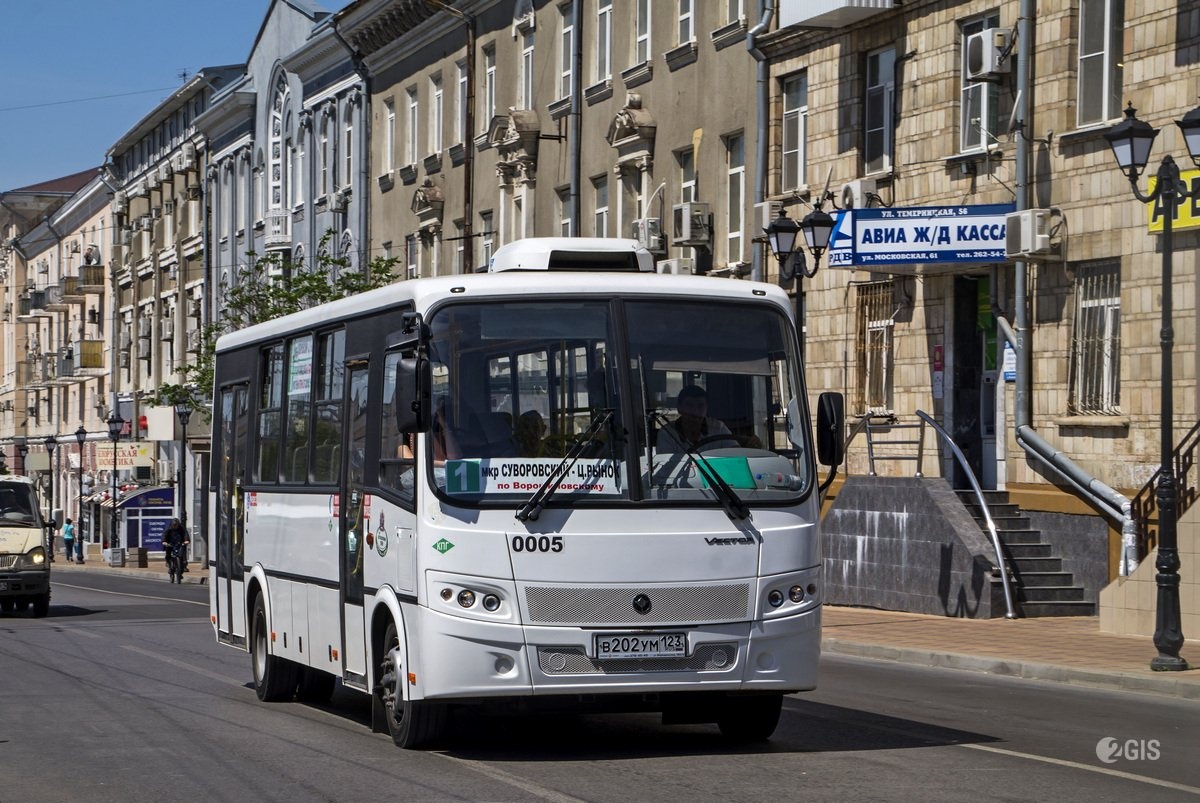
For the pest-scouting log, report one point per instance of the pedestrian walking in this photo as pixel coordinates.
(68, 536)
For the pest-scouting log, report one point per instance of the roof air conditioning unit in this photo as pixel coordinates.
(648, 233)
(143, 348)
(1027, 234)
(986, 58)
(691, 224)
(857, 194)
(675, 267)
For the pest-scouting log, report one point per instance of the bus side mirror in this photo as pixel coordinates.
(831, 422)
(413, 398)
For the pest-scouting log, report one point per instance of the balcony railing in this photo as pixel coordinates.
(90, 354)
(278, 228)
(91, 279)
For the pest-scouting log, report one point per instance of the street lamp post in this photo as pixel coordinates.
(22, 450)
(184, 412)
(115, 424)
(51, 442)
(1131, 140)
(80, 438)
(3, 461)
(817, 227)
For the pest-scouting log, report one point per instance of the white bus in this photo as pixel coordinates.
(480, 489)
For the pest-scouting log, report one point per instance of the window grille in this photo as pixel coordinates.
(1096, 341)
(873, 345)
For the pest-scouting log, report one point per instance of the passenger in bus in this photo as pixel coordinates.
(694, 426)
(530, 434)
(445, 444)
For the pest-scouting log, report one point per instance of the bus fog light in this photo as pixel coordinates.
(447, 594)
(796, 594)
(466, 598)
(775, 598)
(812, 589)
(490, 602)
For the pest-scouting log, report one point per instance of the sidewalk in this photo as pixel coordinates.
(1063, 649)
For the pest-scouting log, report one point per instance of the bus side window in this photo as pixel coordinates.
(397, 467)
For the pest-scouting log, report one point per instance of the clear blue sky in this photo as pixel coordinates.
(75, 75)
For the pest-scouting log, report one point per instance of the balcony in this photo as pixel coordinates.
(70, 289)
(830, 13)
(55, 299)
(277, 228)
(60, 369)
(29, 374)
(90, 356)
(92, 279)
(31, 306)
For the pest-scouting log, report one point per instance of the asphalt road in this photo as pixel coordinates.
(122, 694)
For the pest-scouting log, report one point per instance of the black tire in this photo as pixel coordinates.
(41, 605)
(7, 605)
(750, 719)
(274, 678)
(315, 686)
(411, 724)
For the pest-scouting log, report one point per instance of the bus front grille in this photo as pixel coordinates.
(573, 661)
(628, 605)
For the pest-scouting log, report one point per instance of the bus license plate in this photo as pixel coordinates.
(641, 645)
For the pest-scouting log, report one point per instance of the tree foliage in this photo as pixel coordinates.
(265, 288)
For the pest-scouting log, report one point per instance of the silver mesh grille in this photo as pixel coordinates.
(614, 606)
(573, 661)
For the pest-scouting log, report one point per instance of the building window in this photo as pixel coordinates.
(604, 41)
(685, 161)
(563, 196)
(323, 156)
(1101, 73)
(489, 86)
(600, 187)
(460, 122)
(735, 166)
(414, 114)
(389, 137)
(873, 341)
(410, 257)
(459, 246)
(1096, 340)
(734, 11)
(877, 151)
(981, 120)
(527, 70)
(279, 111)
(435, 114)
(348, 149)
(684, 27)
(487, 235)
(518, 218)
(641, 45)
(566, 50)
(795, 131)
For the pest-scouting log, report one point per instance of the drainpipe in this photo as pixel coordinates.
(573, 130)
(1097, 493)
(762, 97)
(364, 140)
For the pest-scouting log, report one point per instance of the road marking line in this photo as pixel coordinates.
(513, 780)
(183, 665)
(1129, 776)
(127, 594)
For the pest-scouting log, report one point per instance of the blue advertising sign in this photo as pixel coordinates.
(931, 234)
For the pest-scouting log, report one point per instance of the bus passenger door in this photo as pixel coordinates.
(354, 523)
(229, 545)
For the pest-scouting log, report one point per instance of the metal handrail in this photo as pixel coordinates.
(991, 525)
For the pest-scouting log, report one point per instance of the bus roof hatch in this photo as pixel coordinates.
(572, 254)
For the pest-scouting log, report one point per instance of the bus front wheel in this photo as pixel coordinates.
(275, 678)
(750, 719)
(411, 724)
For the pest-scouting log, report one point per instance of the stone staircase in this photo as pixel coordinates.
(1042, 587)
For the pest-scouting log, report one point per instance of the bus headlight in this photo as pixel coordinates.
(33, 559)
(775, 598)
(466, 598)
(490, 602)
(796, 593)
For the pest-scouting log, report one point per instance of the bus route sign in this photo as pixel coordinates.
(525, 475)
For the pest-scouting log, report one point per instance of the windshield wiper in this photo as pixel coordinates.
(733, 505)
(537, 503)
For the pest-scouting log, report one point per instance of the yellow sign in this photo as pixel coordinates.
(129, 455)
(1187, 210)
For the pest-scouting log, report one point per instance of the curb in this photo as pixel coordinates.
(1167, 684)
(193, 578)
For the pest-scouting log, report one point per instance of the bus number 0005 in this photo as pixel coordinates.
(537, 543)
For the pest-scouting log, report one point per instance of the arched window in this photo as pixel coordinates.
(276, 185)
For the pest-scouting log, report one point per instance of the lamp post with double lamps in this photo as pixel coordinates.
(817, 227)
(1131, 140)
(80, 438)
(22, 450)
(115, 425)
(183, 410)
(51, 442)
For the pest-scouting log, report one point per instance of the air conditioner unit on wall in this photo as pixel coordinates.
(124, 360)
(857, 194)
(1027, 234)
(168, 329)
(986, 59)
(675, 266)
(143, 348)
(691, 224)
(764, 213)
(648, 233)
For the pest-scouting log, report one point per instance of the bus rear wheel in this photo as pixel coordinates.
(275, 678)
(750, 719)
(411, 724)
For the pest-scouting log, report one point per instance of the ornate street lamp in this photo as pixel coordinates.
(782, 232)
(51, 442)
(22, 450)
(115, 425)
(1131, 140)
(80, 438)
(818, 228)
(183, 410)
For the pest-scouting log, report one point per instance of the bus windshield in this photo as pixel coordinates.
(523, 390)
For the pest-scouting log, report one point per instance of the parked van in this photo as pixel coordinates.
(24, 562)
